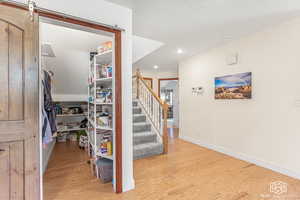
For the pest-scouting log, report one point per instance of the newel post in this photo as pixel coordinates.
(165, 128)
(137, 83)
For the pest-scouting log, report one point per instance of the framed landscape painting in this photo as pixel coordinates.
(237, 86)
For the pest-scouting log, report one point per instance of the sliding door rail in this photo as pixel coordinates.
(46, 12)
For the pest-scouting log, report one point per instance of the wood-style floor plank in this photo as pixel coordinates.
(188, 172)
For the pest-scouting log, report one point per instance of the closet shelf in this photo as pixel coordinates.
(70, 129)
(104, 53)
(101, 103)
(101, 80)
(99, 127)
(104, 58)
(71, 115)
(104, 79)
(110, 157)
(104, 128)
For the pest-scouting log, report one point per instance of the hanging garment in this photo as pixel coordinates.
(48, 103)
(46, 129)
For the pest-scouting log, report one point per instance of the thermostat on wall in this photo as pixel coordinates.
(232, 59)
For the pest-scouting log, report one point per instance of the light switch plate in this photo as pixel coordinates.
(232, 59)
(297, 103)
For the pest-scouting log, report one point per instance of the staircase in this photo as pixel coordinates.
(145, 141)
(150, 135)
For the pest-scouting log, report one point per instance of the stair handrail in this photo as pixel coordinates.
(155, 108)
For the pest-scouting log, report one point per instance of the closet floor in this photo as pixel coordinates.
(68, 175)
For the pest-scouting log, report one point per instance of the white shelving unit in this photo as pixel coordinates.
(95, 106)
(68, 119)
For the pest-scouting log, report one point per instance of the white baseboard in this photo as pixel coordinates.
(244, 157)
(129, 186)
(47, 154)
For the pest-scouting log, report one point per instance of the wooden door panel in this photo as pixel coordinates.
(3, 70)
(11, 72)
(19, 104)
(12, 171)
(16, 152)
(12, 129)
(16, 99)
(4, 171)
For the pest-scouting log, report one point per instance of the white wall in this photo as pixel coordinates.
(109, 13)
(143, 47)
(156, 74)
(265, 129)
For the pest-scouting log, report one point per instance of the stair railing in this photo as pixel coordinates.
(155, 109)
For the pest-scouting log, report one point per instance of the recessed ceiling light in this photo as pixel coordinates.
(179, 51)
(155, 66)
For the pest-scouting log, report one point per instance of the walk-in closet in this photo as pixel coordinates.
(77, 108)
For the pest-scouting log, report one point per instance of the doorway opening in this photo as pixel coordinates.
(168, 92)
(21, 23)
(78, 98)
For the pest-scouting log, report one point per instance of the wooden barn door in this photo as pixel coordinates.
(19, 105)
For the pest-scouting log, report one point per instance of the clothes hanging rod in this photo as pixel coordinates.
(66, 16)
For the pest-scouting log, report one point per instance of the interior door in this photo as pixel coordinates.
(19, 110)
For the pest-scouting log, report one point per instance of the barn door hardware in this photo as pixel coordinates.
(31, 8)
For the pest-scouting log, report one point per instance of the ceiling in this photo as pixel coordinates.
(70, 64)
(125, 3)
(198, 25)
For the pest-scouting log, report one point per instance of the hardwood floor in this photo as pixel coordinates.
(187, 172)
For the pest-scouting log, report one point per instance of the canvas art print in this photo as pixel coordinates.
(237, 86)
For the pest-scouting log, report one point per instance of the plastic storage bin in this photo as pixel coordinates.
(105, 170)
